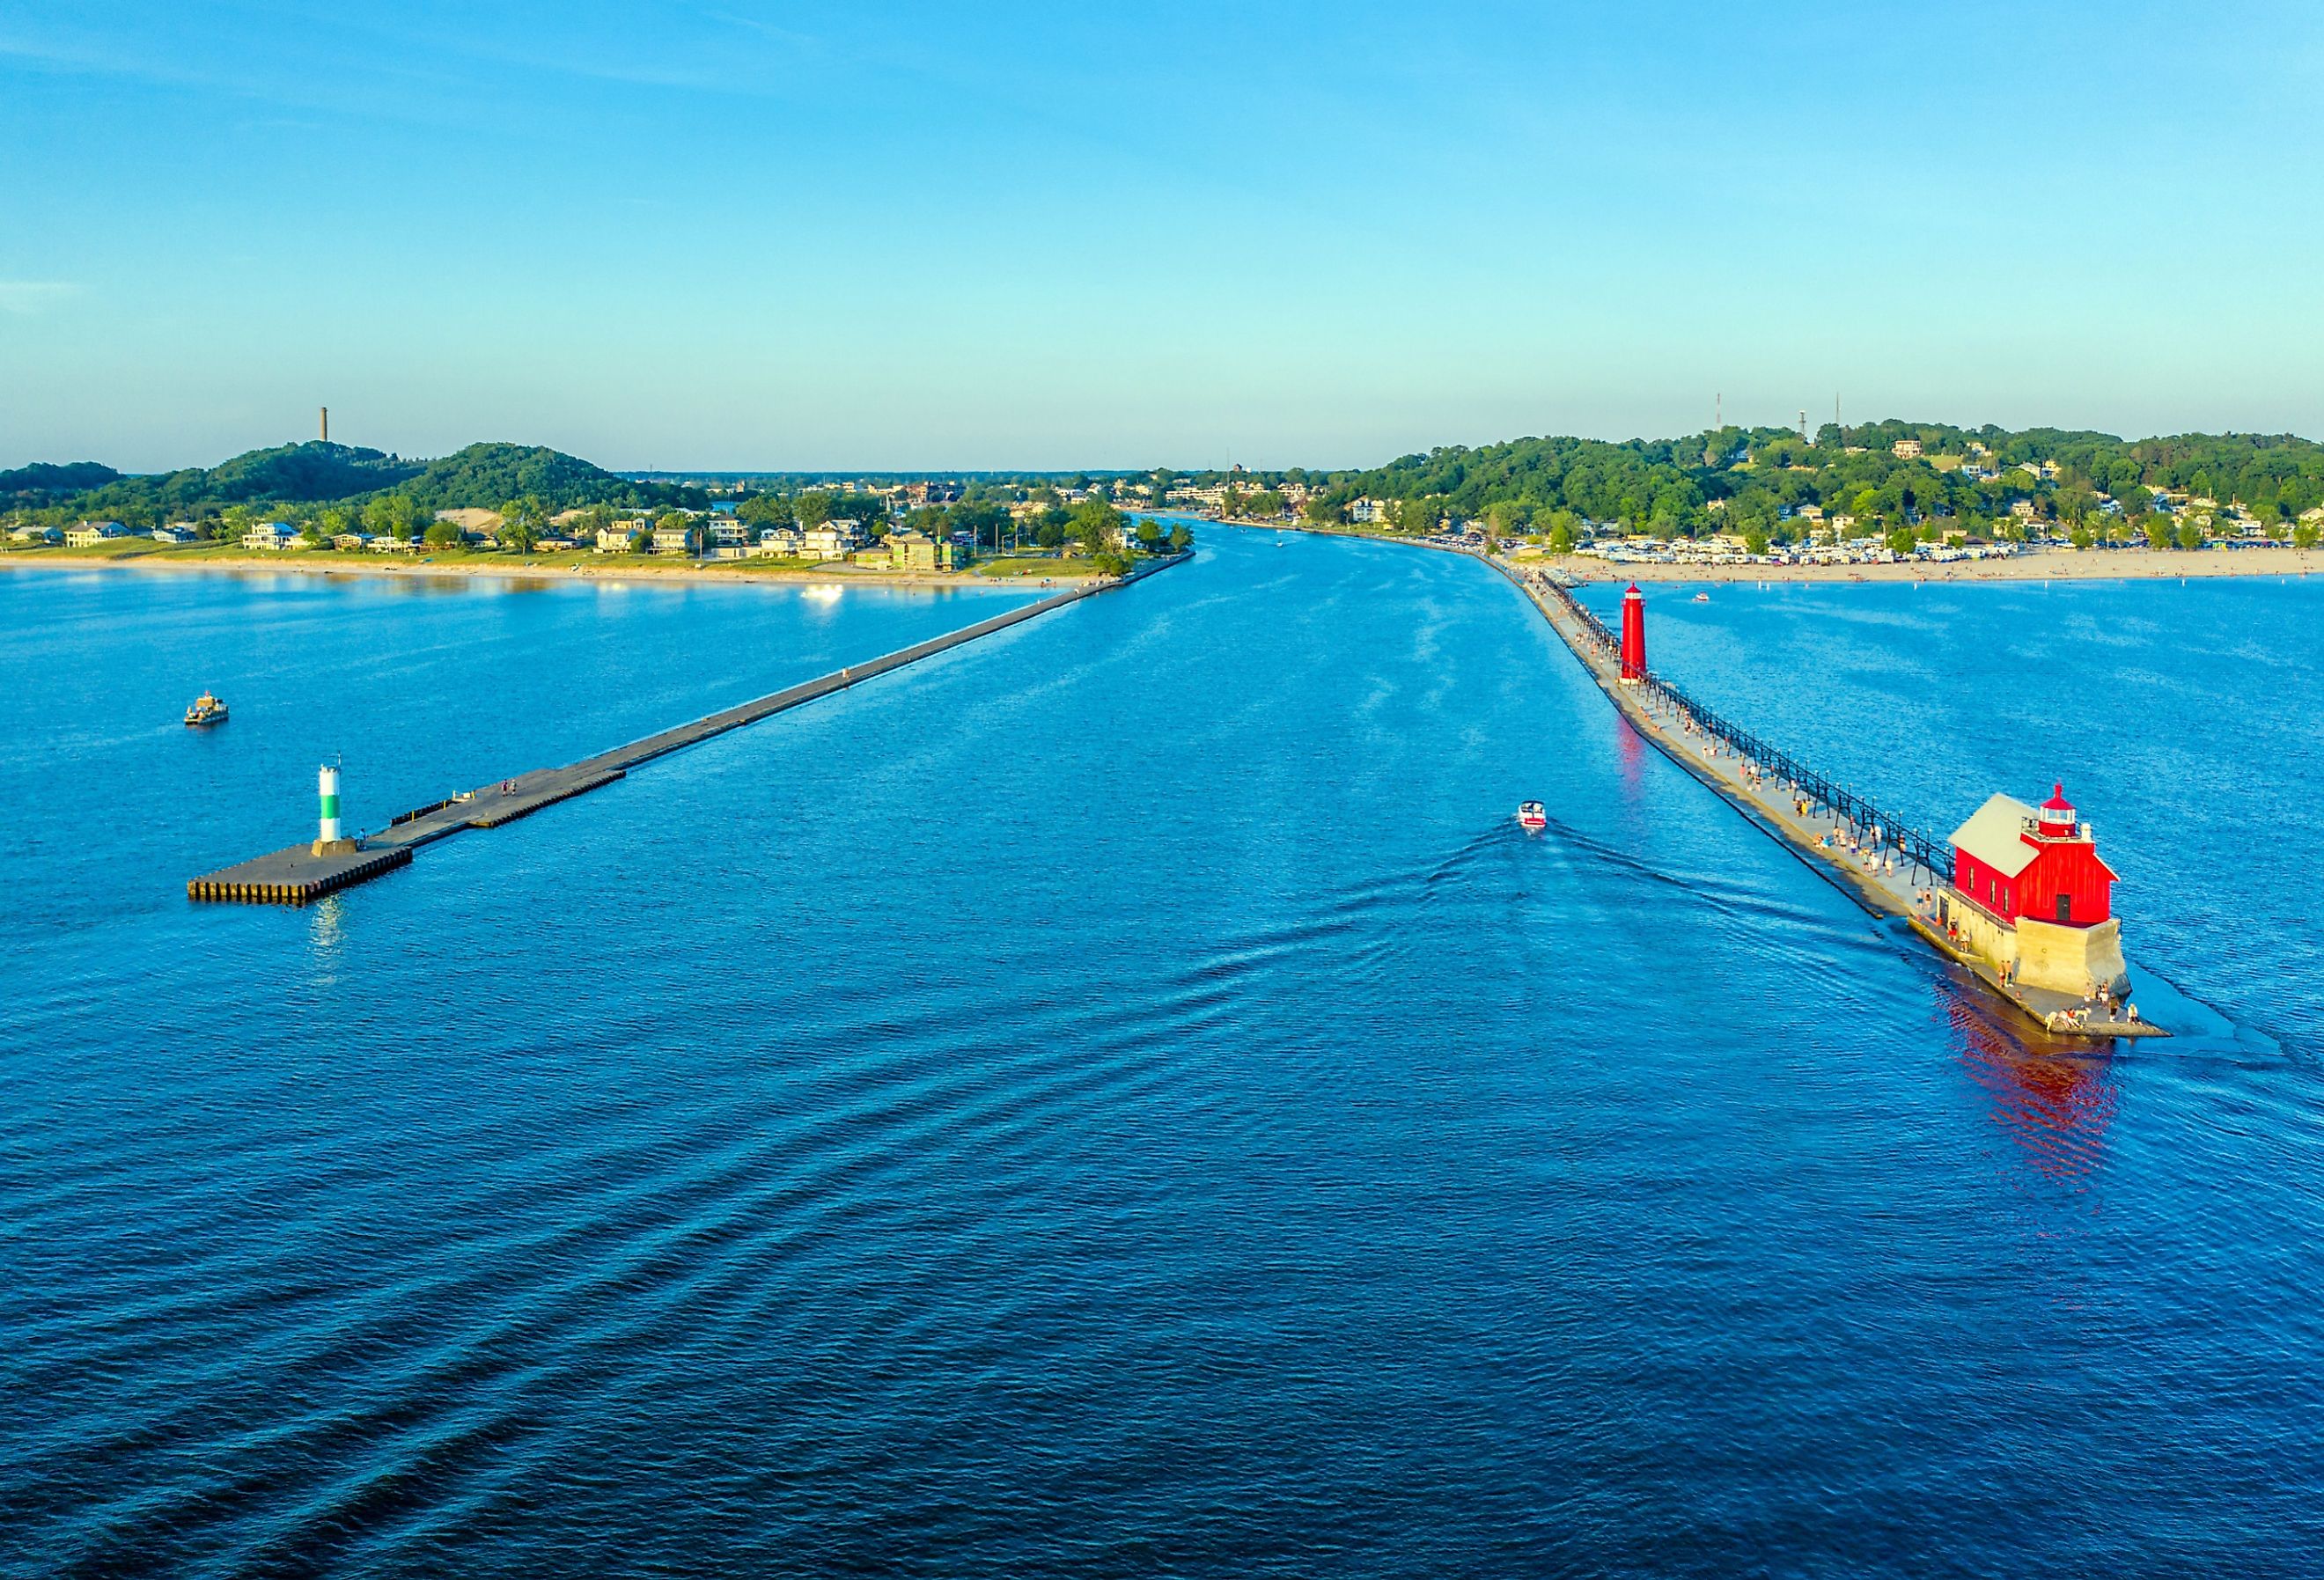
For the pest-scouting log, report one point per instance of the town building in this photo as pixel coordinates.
(673, 539)
(175, 532)
(272, 535)
(833, 541)
(911, 550)
(780, 542)
(916, 550)
(1906, 449)
(32, 532)
(89, 535)
(2030, 896)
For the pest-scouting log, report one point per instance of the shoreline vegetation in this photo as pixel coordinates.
(510, 509)
(1885, 501)
(1019, 574)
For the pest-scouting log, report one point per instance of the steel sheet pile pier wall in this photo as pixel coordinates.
(295, 876)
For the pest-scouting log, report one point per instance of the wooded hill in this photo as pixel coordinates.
(1753, 477)
(482, 475)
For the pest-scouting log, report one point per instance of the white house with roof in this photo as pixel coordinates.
(89, 535)
(833, 541)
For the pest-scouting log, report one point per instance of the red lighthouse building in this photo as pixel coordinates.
(1634, 634)
(2030, 893)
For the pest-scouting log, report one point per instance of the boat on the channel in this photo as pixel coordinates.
(1532, 817)
(206, 710)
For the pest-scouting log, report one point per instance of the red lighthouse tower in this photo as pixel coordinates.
(1634, 634)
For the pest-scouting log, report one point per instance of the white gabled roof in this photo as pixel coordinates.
(1994, 835)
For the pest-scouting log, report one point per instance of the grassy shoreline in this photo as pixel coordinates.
(131, 554)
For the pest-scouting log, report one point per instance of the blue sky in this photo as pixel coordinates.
(1017, 234)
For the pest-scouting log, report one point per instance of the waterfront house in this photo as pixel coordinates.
(673, 539)
(89, 535)
(392, 543)
(558, 543)
(272, 535)
(913, 550)
(833, 541)
(615, 539)
(780, 542)
(350, 542)
(729, 534)
(32, 532)
(175, 532)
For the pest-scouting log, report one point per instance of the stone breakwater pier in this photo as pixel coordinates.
(1885, 865)
(304, 872)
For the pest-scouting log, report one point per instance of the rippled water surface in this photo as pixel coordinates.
(1123, 1098)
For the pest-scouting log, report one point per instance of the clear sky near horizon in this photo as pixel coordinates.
(911, 236)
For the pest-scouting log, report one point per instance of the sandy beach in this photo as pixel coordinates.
(560, 568)
(2052, 565)
(2046, 565)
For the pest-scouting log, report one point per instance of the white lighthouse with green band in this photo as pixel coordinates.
(326, 785)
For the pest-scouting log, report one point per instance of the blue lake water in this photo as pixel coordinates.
(1124, 1098)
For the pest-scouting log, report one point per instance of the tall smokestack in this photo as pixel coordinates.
(326, 425)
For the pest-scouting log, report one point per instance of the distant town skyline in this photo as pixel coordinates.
(904, 238)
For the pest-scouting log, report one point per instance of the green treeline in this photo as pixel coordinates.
(1753, 481)
(1898, 479)
(295, 480)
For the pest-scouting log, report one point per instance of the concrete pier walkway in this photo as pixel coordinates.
(1868, 870)
(300, 874)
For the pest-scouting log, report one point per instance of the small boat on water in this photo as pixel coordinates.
(1532, 817)
(1702, 597)
(206, 710)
